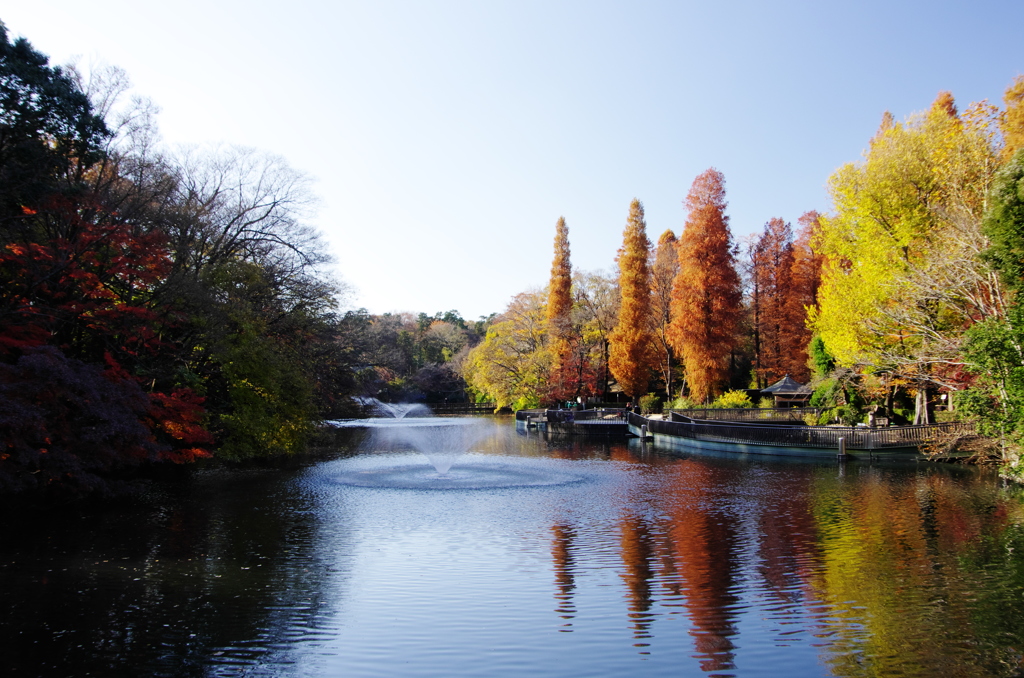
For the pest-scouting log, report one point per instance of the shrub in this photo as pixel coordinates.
(650, 404)
(682, 404)
(732, 399)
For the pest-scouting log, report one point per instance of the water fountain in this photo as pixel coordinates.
(443, 441)
(394, 410)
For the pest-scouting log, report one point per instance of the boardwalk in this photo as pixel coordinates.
(600, 422)
(795, 440)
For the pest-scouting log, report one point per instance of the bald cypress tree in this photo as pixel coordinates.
(706, 295)
(663, 275)
(563, 382)
(632, 354)
(559, 309)
(772, 271)
(806, 278)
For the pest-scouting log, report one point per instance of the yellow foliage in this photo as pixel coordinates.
(512, 364)
(892, 214)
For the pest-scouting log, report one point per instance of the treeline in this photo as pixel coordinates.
(688, 316)
(402, 357)
(901, 299)
(168, 305)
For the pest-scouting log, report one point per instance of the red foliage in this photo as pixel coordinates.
(77, 317)
(178, 419)
(775, 319)
(575, 375)
(80, 274)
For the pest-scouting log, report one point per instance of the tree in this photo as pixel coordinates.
(81, 266)
(995, 346)
(563, 340)
(511, 365)
(559, 306)
(1012, 122)
(805, 280)
(706, 295)
(597, 309)
(664, 271)
(632, 356)
(903, 276)
(48, 129)
(773, 321)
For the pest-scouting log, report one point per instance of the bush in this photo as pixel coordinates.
(847, 415)
(732, 399)
(682, 404)
(826, 394)
(650, 404)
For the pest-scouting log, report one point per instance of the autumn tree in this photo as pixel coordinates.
(632, 357)
(771, 259)
(805, 279)
(559, 305)
(664, 269)
(596, 307)
(706, 295)
(563, 339)
(1012, 122)
(511, 365)
(903, 274)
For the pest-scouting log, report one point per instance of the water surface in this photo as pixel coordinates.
(633, 563)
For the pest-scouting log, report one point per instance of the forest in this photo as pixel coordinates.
(165, 305)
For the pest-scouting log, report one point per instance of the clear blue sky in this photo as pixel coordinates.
(446, 138)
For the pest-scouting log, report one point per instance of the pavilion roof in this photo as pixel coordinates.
(787, 385)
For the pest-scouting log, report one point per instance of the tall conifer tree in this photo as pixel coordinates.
(806, 279)
(559, 310)
(774, 326)
(666, 266)
(706, 295)
(567, 362)
(632, 354)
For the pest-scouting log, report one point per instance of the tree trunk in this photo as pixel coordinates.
(921, 414)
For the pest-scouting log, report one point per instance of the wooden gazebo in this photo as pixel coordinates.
(789, 393)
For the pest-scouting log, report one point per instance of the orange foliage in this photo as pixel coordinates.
(806, 279)
(772, 264)
(559, 310)
(666, 266)
(706, 295)
(632, 357)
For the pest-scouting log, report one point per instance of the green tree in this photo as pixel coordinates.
(995, 346)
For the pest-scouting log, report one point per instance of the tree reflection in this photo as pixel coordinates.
(213, 571)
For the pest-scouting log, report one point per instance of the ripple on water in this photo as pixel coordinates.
(476, 476)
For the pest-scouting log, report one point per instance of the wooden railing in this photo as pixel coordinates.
(577, 415)
(461, 408)
(766, 414)
(857, 437)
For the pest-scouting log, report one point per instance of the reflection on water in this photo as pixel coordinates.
(647, 565)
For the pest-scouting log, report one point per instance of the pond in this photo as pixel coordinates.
(629, 562)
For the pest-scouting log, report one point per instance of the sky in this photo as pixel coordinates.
(445, 139)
